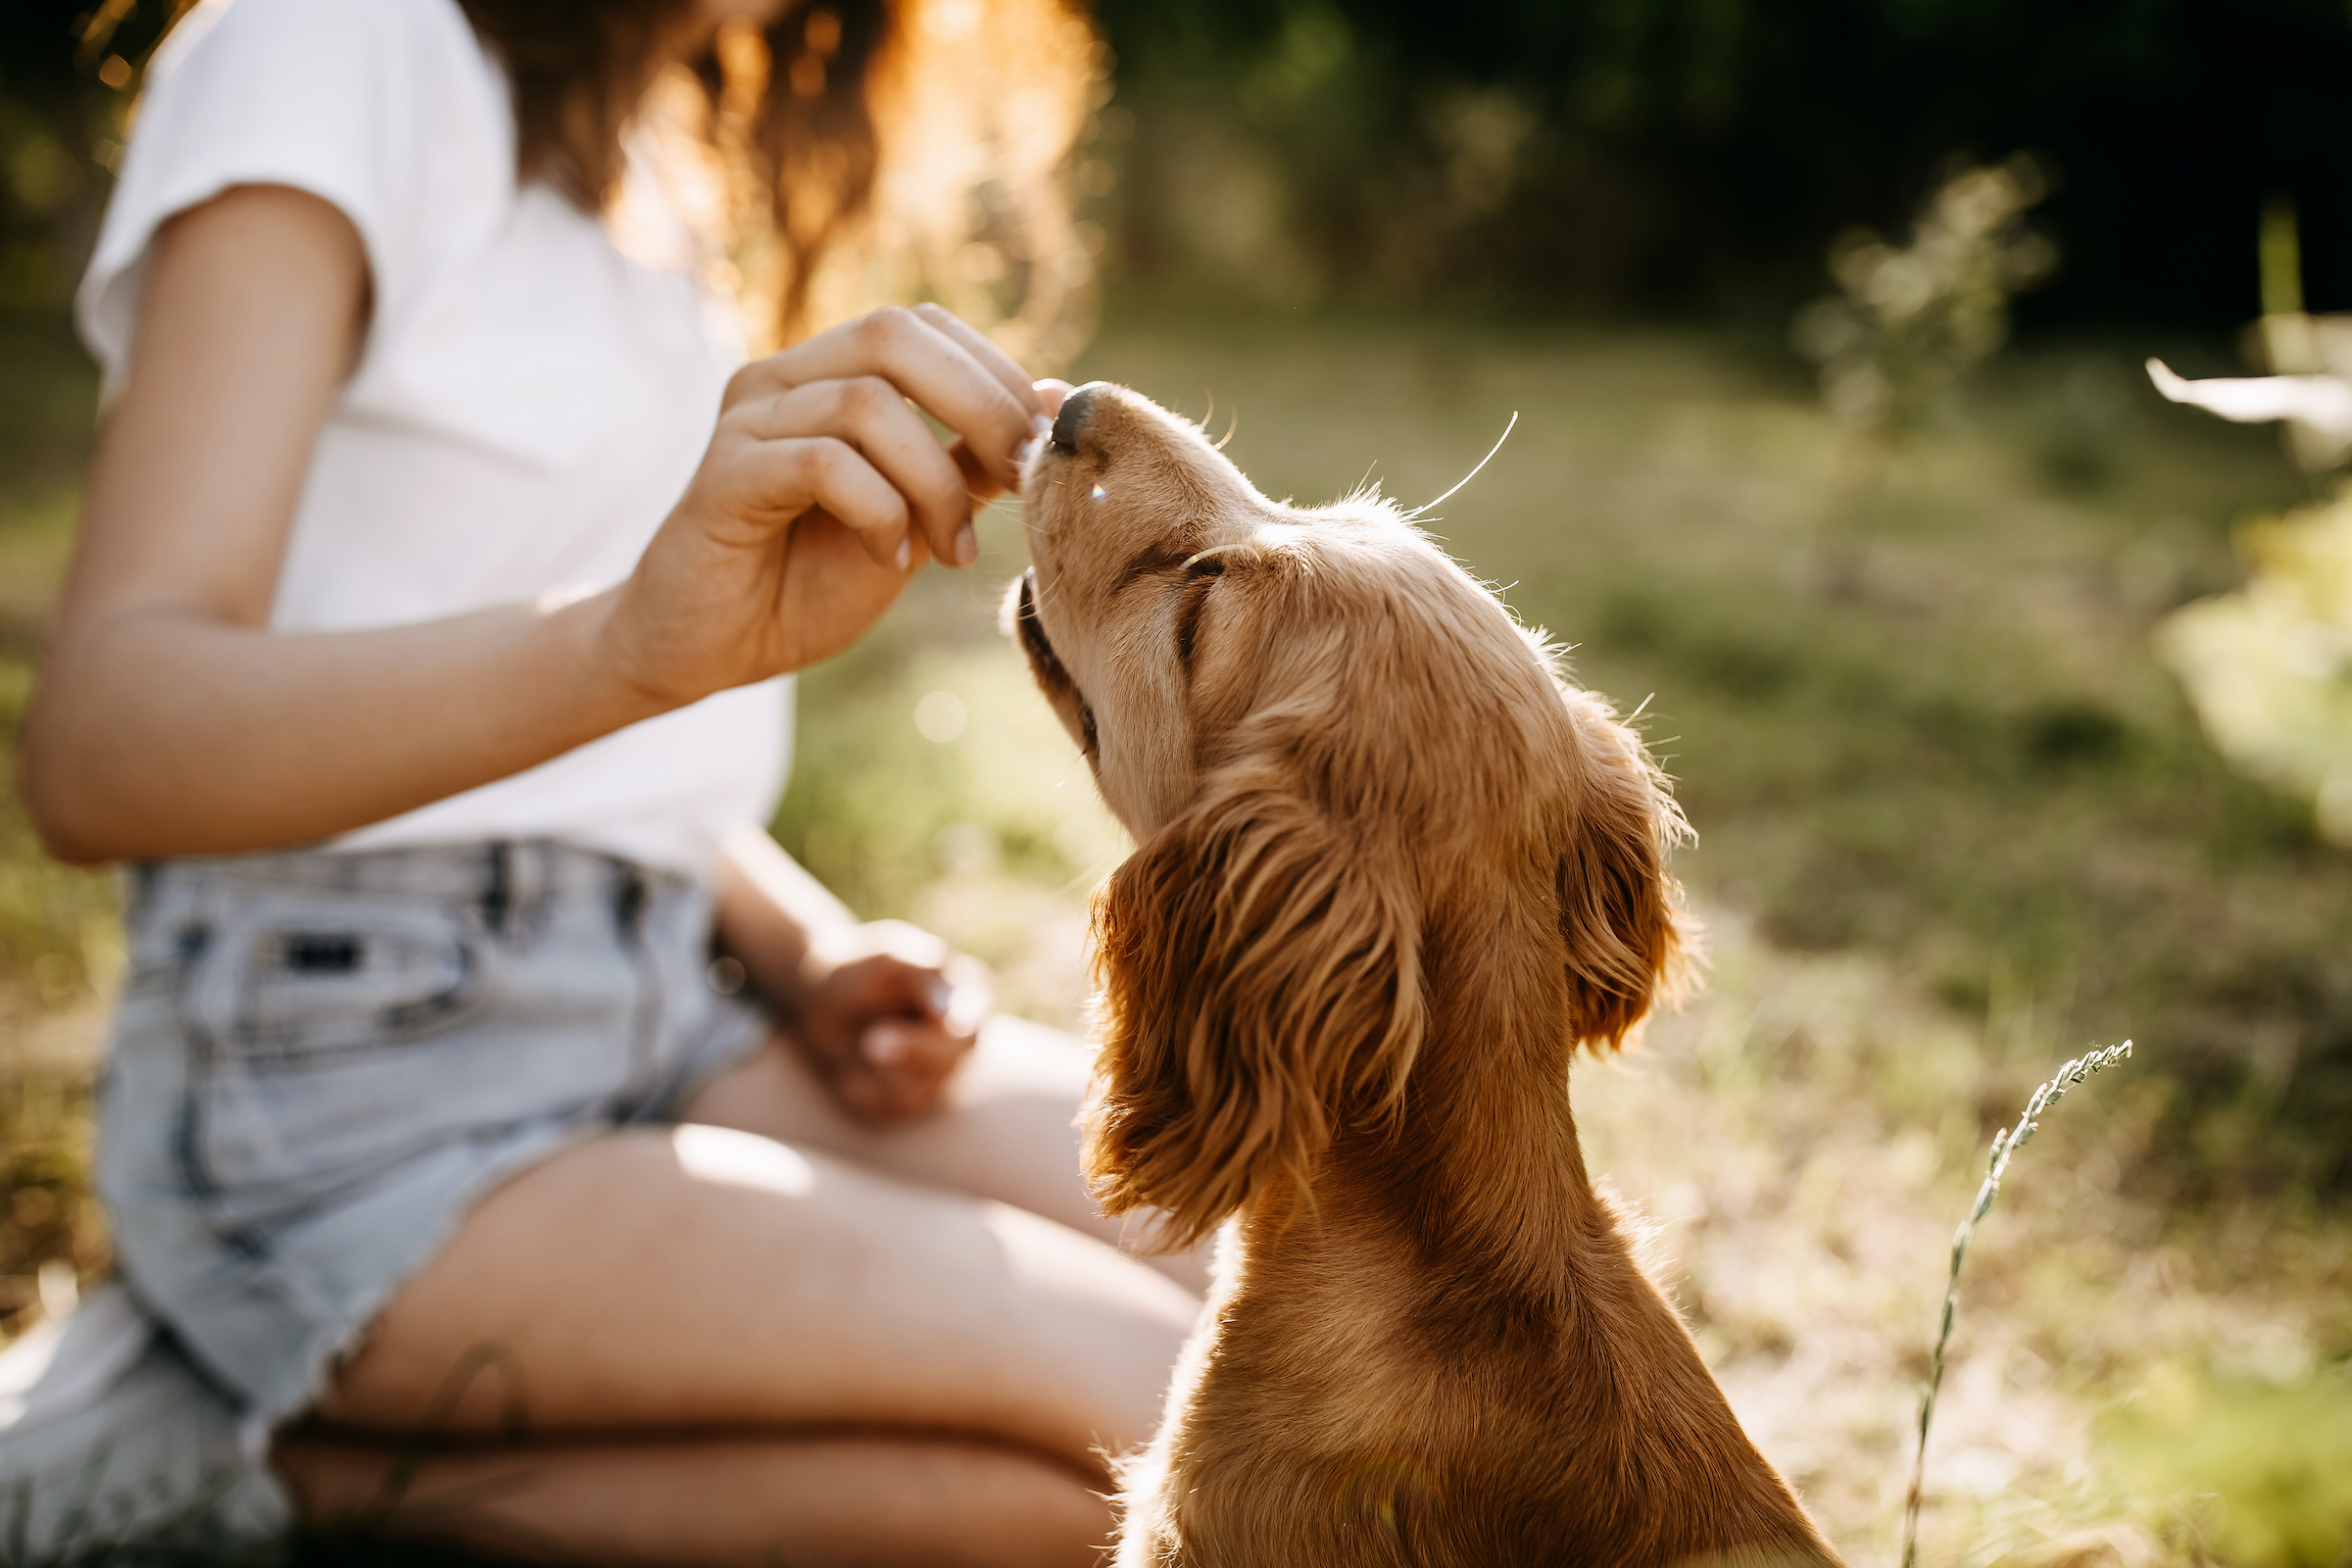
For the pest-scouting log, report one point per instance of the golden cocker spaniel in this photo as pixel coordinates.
(1392, 872)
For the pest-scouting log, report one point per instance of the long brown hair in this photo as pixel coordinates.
(826, 128)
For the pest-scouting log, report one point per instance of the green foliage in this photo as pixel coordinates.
(1909, 324)
(57, 938)
(1699, 154)
(2260, 1470)
(2270, 666)
(59, 948)
(1971, 763)
(68, 70)
(881, 809)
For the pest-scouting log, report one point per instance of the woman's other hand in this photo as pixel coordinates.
(885, 1014)
(823, 491)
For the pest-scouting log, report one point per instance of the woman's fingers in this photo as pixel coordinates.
(939, 372)
(795, 473)
(908, 1060)
(994, 360)
(869, 414)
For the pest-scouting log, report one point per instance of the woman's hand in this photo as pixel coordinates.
(885, 1014)
(821, 492)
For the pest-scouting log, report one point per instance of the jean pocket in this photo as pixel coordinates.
(317, 1038)
(297, 993)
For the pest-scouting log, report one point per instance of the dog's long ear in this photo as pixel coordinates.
(1260, 984)
(1628, 940)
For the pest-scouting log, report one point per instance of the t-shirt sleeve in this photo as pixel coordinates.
(350, 100)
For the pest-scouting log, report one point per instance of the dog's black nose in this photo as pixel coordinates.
(1073, 418)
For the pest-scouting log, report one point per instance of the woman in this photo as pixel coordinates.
(421, 653)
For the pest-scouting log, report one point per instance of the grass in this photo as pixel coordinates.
(59, 949)
(2005, 1144)
(1956, 822)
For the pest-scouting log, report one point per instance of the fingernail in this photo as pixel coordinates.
(884, 1047)
(905, 553)
(1041, 426)
(942, 994)
(967, 546)
(966, 1010)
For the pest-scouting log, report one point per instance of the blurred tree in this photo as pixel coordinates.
(1703, 152)
(1908, 323)
(66, 69)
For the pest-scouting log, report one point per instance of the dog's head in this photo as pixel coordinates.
(1344, 762)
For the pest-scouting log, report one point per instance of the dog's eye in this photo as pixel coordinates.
(1188, 612)
(1205, 567)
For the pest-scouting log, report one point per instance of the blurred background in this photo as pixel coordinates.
(2013, 705)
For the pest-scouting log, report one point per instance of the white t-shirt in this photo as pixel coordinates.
(529, 404)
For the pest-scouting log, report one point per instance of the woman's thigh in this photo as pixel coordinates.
(1008, 1132)
(819, 1501)
(702, 1277)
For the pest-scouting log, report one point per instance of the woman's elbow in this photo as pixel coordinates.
(59, 796)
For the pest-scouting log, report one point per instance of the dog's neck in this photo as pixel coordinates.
(1480, 1176)
(1485, 1160)
(1479, 1213)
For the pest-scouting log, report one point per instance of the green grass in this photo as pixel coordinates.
(1956, 822)
(59, 948)
(57, 941)
(1912, 710)
(1911, 702)
(2213, 1442)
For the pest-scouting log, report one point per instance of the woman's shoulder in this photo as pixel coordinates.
(389, 109)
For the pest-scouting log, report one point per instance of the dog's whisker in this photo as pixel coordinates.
(1230, 425)
(1640, 710)
(1038, 593)
(1473, 474)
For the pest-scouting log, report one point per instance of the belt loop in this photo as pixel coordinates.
(498, 887)
(137, 883)
(628, 896)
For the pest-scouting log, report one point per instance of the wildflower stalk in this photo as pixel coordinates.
(2006, 1143)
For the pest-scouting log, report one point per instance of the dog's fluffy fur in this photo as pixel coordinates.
(1392, 872)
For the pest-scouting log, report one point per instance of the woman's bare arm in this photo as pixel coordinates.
(883, 1014)
(170, 720)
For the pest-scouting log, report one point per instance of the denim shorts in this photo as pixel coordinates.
(322, 1059)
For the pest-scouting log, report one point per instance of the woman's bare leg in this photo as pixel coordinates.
(1008, 1132)
(705, 1278)
(810, 1503)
